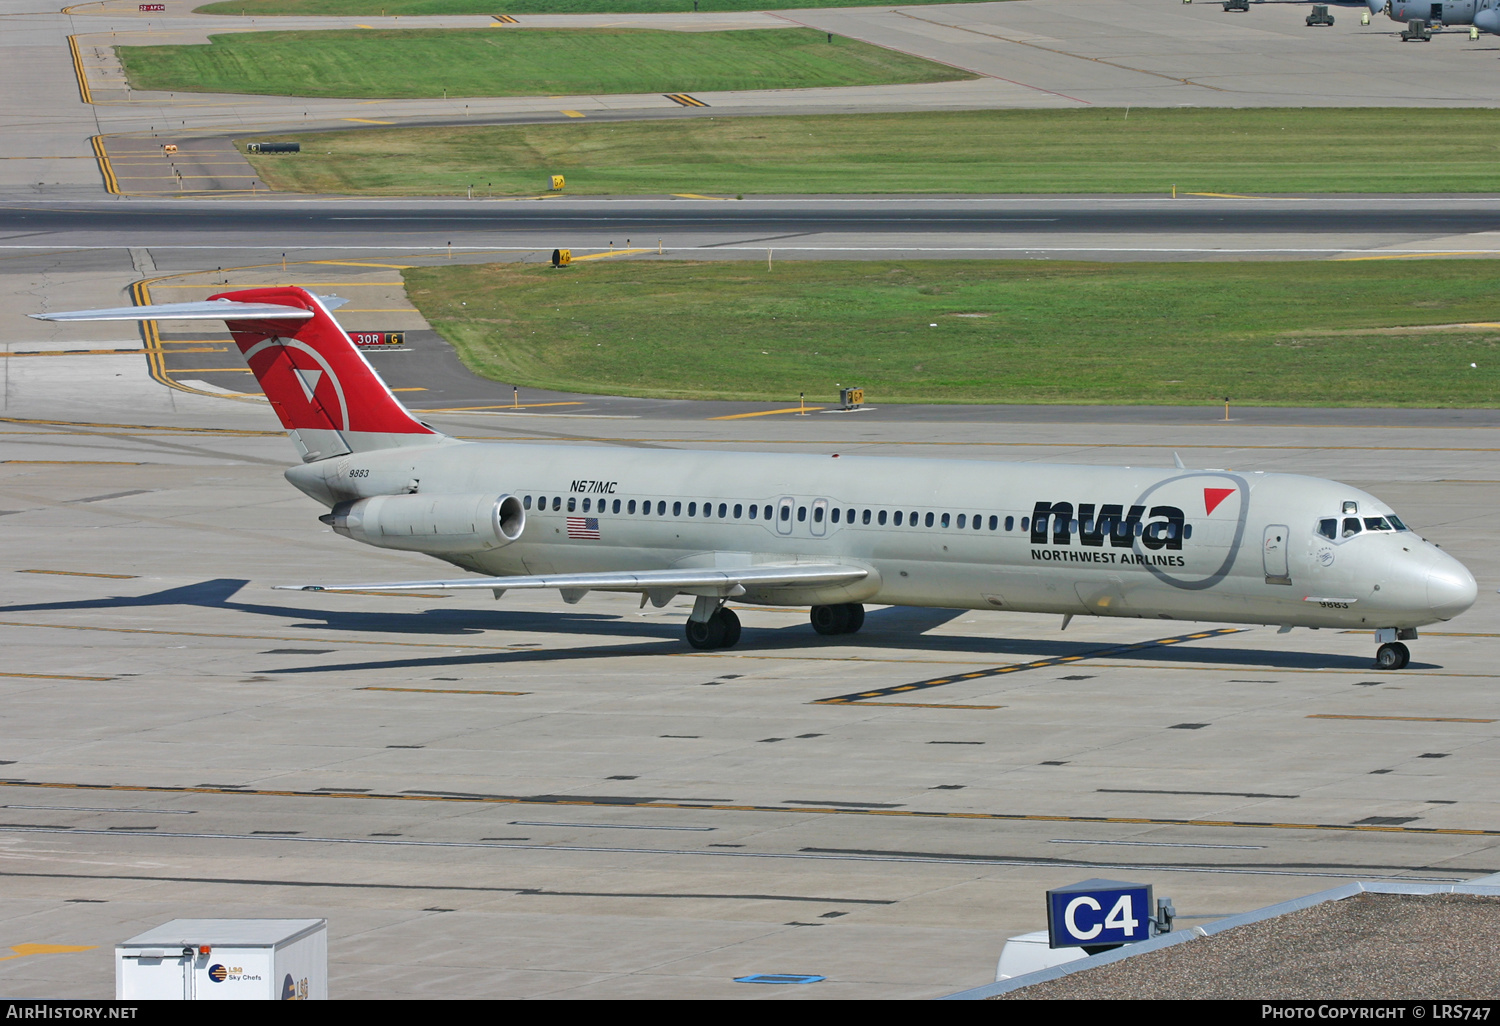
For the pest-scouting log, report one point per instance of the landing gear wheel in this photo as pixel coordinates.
(830, 619)
(1392, 656)
(856, 617)
(845, 618)
(722, 630)
(731, 628)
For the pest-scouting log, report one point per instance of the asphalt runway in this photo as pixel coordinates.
(332, 221)
(226, 232)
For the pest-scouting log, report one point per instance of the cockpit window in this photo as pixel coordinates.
(1396, 523)
(1377, 524)
(1351, 526)
(1328, 528)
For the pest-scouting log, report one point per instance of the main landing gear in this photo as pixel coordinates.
(720, 630)
(841, 619)
(713, 626)
(1392, 655)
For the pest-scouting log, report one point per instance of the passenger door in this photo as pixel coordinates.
(1273, 553)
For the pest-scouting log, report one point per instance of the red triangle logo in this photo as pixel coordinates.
(1213, 496)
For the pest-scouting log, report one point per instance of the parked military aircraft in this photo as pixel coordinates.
(828, 532)
(1482, 14)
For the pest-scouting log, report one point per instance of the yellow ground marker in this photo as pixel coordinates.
(924, 705)
(766, 413)
(1410, 719)
(111, 183)
(572, 113)
(611, 253)
(86, 352)
(861, 698)
(694, 195)
(1414, 256)
(356, 263)
(83, 81)
(79, 573)
(368, 121)
(23, 950)
(445, 691)
(53, 676)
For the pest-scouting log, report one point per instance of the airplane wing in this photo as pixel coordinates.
(725, 582)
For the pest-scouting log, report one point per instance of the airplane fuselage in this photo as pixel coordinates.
(1113, 541)
(1446, 12)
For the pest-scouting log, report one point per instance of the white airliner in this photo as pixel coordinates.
(828, 532)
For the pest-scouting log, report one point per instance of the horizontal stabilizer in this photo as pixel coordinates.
(205, 310)
(725, 581)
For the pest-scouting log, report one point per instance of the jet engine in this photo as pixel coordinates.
(1488, 20)
(435, 524)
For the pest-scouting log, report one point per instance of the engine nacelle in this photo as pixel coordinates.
(436, 524)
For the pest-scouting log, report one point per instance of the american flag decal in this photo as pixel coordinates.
(583, 527)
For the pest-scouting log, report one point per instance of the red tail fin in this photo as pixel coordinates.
(323, 389)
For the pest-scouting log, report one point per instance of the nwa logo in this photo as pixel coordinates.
(1159, 527)
(1152, 534)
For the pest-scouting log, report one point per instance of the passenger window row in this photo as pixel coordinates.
(852, 516)
(818, 513)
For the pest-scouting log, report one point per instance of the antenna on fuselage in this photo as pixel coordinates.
(1177, 462)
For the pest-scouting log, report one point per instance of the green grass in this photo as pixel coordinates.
(1030, 151)
(1273, 333)
(532, 62)
(371, 8)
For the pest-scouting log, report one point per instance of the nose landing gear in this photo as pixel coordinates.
(1392, 655)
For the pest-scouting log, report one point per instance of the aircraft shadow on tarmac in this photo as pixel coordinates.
(894, 628)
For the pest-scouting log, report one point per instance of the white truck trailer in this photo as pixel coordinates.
(225, 960)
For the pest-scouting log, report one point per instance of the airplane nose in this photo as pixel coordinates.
(1486, 21)
(1450, 589)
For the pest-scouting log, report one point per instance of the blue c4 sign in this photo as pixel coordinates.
(1099, 913)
